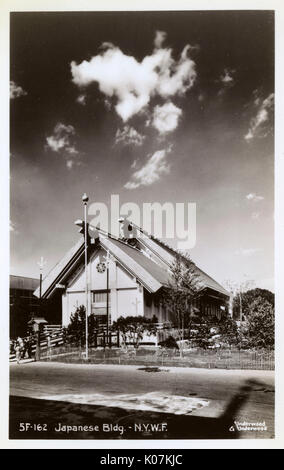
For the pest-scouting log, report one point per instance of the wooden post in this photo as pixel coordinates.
(40, 285)
(118, 338)
(37, 354)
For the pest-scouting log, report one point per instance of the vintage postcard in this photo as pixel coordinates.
(142, 231)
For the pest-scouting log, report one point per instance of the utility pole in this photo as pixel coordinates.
(84, 226)
(41, 263)
(238, 288)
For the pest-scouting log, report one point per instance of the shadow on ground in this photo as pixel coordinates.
(32, 418)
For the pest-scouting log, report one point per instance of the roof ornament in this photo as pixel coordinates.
(41, 263)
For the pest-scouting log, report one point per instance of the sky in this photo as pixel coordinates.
(154, 107)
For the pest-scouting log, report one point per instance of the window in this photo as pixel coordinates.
(100, 297)
(99, 304)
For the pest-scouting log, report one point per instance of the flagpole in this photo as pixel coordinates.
(107, 310)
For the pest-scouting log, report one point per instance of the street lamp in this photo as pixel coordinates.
(84, 229)
(85, 200)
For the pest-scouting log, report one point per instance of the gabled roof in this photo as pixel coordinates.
(148, 272)
(168, 254)
(151, 276)
(159, 274)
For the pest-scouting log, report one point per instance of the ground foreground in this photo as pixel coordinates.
(72, 401)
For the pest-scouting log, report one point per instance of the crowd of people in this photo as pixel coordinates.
(22, 347)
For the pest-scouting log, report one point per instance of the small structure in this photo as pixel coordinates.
(23, 304)
(37, 323)
(139, 267)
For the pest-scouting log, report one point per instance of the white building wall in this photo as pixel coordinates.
(126, 295)
(65, 310)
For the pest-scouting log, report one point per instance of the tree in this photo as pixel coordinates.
(181, 290)
(132, 329)
(248, 297)
(231, 332)
(203, 336)
(261, 323)
(76, 330)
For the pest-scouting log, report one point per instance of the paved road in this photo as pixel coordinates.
(164, 395)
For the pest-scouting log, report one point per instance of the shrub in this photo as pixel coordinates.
(132, 329)
(170, 342)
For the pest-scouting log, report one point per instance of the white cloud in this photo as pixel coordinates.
(247, 251)
(133, 83)
(129, 136)
(154, 168)
(16, 91)
(69, 164)
(159, 39)
(258, 124)
(107, 104)
(61, 138)
(81, 99)
(254, 198)
(61, 141)
(226, 78)
(166, 117)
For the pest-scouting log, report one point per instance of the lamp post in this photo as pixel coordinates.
(107, 276)
(85, 200)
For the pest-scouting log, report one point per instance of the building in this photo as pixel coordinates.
(24, 305)
(139, 268)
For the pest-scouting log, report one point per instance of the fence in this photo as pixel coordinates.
(56, 339)
(209, 359)
(156, 356)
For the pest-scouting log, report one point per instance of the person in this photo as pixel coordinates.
(24, 350)
(12, 347)
(20, 342)
(18, 353)
(29, 346)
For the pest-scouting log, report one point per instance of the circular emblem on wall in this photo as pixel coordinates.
(101, 267)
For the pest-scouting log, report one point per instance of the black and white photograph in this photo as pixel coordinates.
(141, 210)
